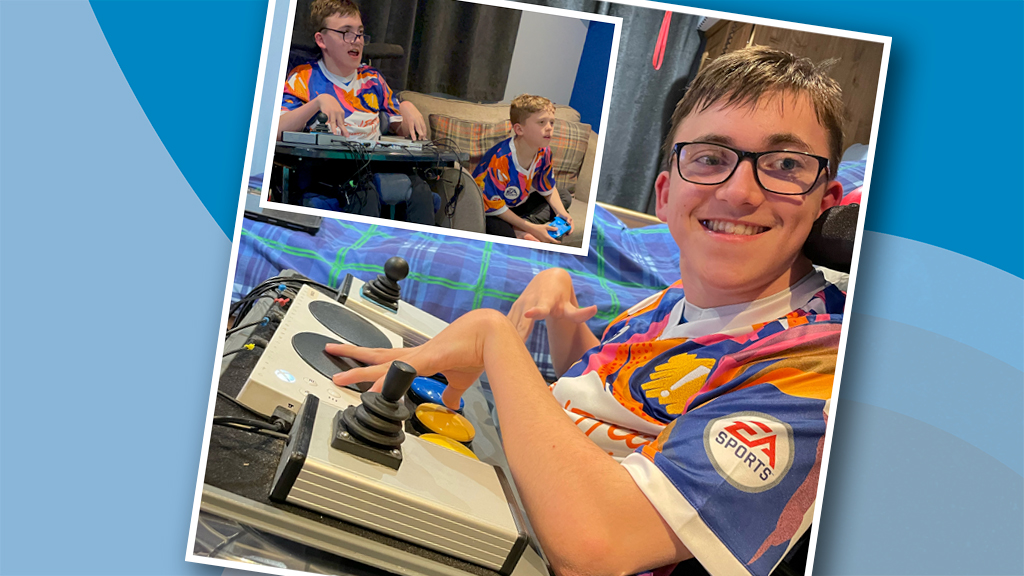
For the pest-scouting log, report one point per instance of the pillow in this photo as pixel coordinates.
(473, 138)
(568, 149)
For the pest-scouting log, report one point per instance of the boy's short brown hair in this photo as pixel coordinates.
(321, 10)
(525, 105)
(745, 76)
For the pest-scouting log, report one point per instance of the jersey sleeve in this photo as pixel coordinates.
(296, 88)
(544, 180)
(389, 102)
(492, 178)
(385, 99)
(736, 476)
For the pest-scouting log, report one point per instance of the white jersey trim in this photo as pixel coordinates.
(736, 319)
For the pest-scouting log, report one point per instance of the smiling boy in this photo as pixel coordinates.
(517, 178)
(697, 422)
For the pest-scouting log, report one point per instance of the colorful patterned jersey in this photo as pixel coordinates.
(506, 184)
(363, 97)
(724, 432)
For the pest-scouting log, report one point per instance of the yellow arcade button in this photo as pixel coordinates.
(448, 443)
(440, 420)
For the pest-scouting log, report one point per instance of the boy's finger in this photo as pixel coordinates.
(581, 315)
(357, 375)
(450, 397)
(537, 312)
(365, 355)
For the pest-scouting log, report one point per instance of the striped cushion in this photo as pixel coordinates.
(473, 138)
(568, 149)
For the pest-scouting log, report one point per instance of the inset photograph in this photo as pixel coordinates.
(476, 118)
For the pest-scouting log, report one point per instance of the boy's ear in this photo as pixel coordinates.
(517, 129)
(661, 190)
(319, 39)
(832, 197)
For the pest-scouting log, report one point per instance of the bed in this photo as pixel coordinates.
(450, 276)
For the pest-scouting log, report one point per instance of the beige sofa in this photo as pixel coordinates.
(492, 114)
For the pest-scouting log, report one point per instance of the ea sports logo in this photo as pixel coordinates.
(512, 192)
(751, 450)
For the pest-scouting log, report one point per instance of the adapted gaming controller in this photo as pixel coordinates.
(562, 225)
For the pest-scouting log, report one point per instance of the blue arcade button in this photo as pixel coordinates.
(428, 390)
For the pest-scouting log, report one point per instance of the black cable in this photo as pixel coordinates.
(261, 431)
(241, 308)
(264, 321)
(249, 346)
(238, 403)
(275, 427)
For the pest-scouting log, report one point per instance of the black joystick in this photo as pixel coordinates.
(321, 126)
(384, 289)
(373, 430)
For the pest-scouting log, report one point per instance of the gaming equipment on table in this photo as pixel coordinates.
(561, 225)
(320, 135)
(394, 464)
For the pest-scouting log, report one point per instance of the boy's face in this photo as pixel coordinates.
(537, 129)
(345, 55)
(764, 256)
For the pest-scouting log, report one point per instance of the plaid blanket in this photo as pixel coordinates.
(451, 276)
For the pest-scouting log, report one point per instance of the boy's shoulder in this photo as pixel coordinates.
(366, 71)
(496, 152)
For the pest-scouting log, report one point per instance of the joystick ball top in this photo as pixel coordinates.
(396, 268)
(321, 117)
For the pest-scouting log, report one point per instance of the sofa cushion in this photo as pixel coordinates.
(473, 138)
(568, 149)
(488, 113)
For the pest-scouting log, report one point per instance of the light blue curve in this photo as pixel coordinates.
(942, 292)
(903, 497)
(114, 277)
(938, 381)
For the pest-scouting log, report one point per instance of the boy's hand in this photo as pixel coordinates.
(335, 114)
(540, 232)
(457, 352)
(568, 220)
(549, 296)
(412, 121)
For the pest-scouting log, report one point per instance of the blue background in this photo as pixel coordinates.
(123, 137)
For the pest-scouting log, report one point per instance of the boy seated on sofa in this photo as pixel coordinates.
(354, 97)
(517, 178)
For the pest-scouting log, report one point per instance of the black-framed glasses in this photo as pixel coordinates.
(350, 36)
(778, 171)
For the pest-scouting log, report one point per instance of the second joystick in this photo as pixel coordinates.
(384, 289)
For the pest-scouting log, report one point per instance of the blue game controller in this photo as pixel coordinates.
(562, 225)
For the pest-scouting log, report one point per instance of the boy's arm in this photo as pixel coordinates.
(555, 201)
(296, 119)
(545, 182)
(412, 125)
(410, 122)
(538, 231)
(493, 178)
(587, 511)
(550, 296)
